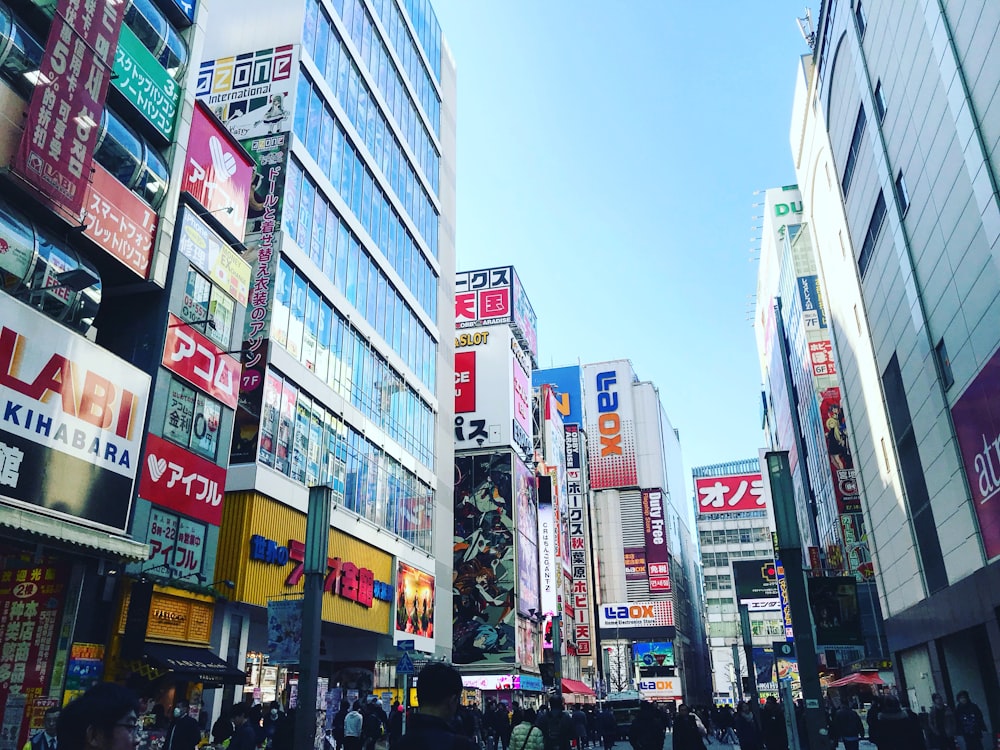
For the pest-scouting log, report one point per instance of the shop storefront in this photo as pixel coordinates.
(577, 693)
(525, 689)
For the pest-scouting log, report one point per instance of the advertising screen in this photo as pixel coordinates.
(653, 654)
(834, 605)
(415, 607)
(729, 494)
(484, 564)
(527, 576)
(756, 584)
(610, 425)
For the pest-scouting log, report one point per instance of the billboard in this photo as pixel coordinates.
(756, 584)
(526, 520)
(567, 388)
(611, 457)
(119, 222)
(527, 576)
(653, 654)
(836, 616)
(200, 362)
(217, 174)
(579, 595)
(488, 405)
(415, 600)
(60, 131)
(729, 494)
(654, 524)
(845, 478)
(483, 561)
(977, 425)
(635, 563)
(73, 419)
(493, 297)
(146, 84)
(637, 614)
(178, 479)
(548, 561)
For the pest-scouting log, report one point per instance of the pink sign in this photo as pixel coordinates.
(465, 382)
(179, 480)
(119, 222)
(977, 424)
(728, 494)
(201, 363)
(217, 172)
(60, 132)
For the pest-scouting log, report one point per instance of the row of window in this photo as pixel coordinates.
(406, 49)
(306, 442)
(313, 332)
(192, 419)
(343, 165)
(721, 559)
(344, 78)
(208, 309)
(352, 270)
(734, 536)
(428, 30)
(718, 583)
(361, 28)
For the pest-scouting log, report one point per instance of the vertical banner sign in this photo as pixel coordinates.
(527, 539)
(60, 132)
(284, 630)
(579, 591)
(465, 382)
(654, 524)
(547, 564)
(610, 425)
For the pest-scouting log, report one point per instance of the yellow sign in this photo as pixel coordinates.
(249, 516)
(175, 616)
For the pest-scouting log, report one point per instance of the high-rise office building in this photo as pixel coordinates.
(348, 111)
(894, 138)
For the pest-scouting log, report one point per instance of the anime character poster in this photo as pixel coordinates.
(484, 565)
(415, 607)
(845, 478)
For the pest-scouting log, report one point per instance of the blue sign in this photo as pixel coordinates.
(405, 645)
(567, 383)
(531, 682)
(187, 7)
(405, 664)
(812, 302)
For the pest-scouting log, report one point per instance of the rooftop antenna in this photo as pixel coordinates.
(806, 29)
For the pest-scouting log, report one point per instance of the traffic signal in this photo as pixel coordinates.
(548, 672)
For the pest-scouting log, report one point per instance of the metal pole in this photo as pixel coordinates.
(736, 670)
(406, 699)
(790, 549)
(315, 568)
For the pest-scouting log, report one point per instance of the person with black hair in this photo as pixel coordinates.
(897, 728)
(244, 737)
(557, 726)
(969, 719)
(439, 692)
(104, 718)
(184, 733)
(46, 738)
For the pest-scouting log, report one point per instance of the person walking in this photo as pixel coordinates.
(772, 725)
(439, 692)
(353, 723)
(941, 724)
(747, 728)
(897, 728)
(500, 724)
(608, 726)
(689, 731)
(580, 725)
(846, 726)
(184, 733)
(525, 735)
(556, 725)
(103, 718)
(969, 721)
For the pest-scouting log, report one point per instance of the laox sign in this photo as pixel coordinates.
(632, 612)
(608, 422)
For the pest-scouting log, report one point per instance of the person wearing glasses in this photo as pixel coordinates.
(103, 718)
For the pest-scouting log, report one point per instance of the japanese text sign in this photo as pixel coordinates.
(178, 544)
(725, 494)
(120, 222)
(200, 362)
(179, 480)
(145, 83)
(60, 133)
(655, 530)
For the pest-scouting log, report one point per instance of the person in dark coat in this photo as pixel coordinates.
(499, 721)
(846, 726)
(580, 725)
(439, 692)
(283, 737)
(245, 737)
(689, 731)
(184, 733)
(608, 727)
(969, 720)
(772, 720)
(747, 729)
(897, 728)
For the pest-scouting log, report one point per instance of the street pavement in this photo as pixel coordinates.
(713, 745)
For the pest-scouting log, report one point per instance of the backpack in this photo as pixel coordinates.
(554, 730)
(371, 726)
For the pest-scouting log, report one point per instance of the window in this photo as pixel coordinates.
(902, 194)
(944, 362)
(20, 53)
(879, 101)
(852, 154)
(192, 419)
(859, 16)
(874, 226)
(210, 306)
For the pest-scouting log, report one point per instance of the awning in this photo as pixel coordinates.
(575, 687)
(117, 546)
(192, 664)
(858, 678)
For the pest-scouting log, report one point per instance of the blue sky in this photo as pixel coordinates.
(610, 152)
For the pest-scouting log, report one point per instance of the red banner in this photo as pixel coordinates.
(120, 222)
(654, 523)
(61, 128)
(465, 382)
(201, 363)
(179, 480)
(728, 494)
(217, 173)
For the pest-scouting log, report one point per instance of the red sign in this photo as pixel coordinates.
(343, 578)
(655, 530)
(217, 173)
(31, 602)
(60, 131)
(465, 382)
(729, 494)
(201, 363)
(821, 356)
(179, 480)
(120, 222)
